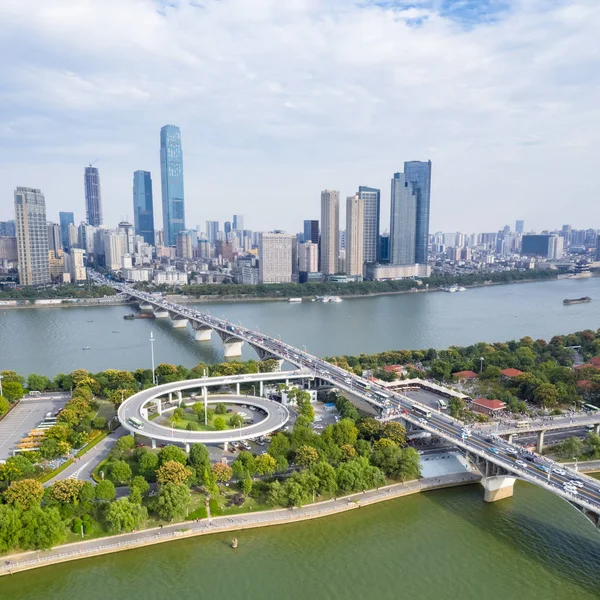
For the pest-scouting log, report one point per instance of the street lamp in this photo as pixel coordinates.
(152, 352)
(1, 378)
(481, 359)
(253, 390)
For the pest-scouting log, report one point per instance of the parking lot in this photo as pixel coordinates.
(24, 417)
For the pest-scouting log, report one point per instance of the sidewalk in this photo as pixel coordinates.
(31, 560)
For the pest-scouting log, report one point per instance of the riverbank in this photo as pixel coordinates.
(15, 563)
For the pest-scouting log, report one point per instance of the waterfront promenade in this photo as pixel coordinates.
(32, 560)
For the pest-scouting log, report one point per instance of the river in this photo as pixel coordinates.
(446, 544)
(51, 340)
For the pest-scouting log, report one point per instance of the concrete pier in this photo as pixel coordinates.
(179, 323)
(160, 314)
(540, 441)
(498, 487)
(233, 348)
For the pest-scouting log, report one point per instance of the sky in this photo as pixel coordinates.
(279, 99)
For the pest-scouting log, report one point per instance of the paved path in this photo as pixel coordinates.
(32, 560)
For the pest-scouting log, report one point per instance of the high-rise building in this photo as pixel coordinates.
(65, 219)
(143, 207)
(418, 174)
(384, 248)
(128, 233)
(85, 237)
(93, 198)
(32, 236)
(54, 237)
(330, 231)
(77, 265)
(171, 172)
(73, 236)
(355, 225)
(212, 231)
(275, 258)
(227, 229)
(520, 226)
(311, 231)
(114, 244)
(403, 221)
(184, 245)
(308, 257)
(371, 198)
(8, 229)
(238, 222)
(598, 248)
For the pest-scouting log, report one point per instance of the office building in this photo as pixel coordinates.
(555, 247)
(311, 231)
(384, 248)
(114, 244)
(543, 246)
(355, 225)
(376, 272)
(184, 245)
(275, 258)
(85, 238)
(238, 223)
(418, 174)
(371, 199)
(126, 230)
(77, 265)
(598, 248)
(93, 197)
(56, 265)
(54, 237)
(143, 207)
(330, 231)
(403, 221)
(8, 249)
(212, 231)
(8, 229)
(65, 219)
(171, 172)
(308, 257)
(32, 236)
(73, 235)
(227, 229)
(520, 226)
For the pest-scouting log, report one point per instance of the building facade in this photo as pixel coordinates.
(212, 231)
(403, 221)
(93, 197)
(184, 246)
(275, 258)
(65, 219)
(54, 237)
(171, 172)
(371, 199)
(330, 231)
(143, 207)
(308, 257)
(77, 265)
(418, 174)
(32, 236)
(311, 231)
(355, 227)
(238, 223)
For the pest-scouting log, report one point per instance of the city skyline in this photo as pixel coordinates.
(253, 126)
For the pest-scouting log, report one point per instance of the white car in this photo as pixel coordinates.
(421, 420)
(521, 464)
(558, 471)
(576, 482)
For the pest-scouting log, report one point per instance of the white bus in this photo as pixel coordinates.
(442, 404)
(135, 422)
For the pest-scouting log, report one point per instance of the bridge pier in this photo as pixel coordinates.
(160, 313)
(179, 323)
(205, 394)
(261, 391)
(179, 398)
(597, 429)
(540, 441)
(145, 306)
(510, 438)
(233, 347)
(187, 447)
(225, 446)
(158, 403)
(497, 487)
(237, 388)
(202, 333)
(153, 442)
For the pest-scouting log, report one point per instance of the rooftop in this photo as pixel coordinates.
(511, 372)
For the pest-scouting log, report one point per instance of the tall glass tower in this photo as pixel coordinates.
(418, 174)
(143, 210)
(93, 199)
(171, 173)
(371, 198)
(66, 219)
(403, 221)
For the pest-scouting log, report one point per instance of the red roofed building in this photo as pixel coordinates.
(510, 373)
(487, 407)
(594, 362)
(394, 369)
(464, 375)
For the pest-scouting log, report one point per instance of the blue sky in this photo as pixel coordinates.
(278, 100)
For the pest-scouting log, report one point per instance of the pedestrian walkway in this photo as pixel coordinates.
(32, 560)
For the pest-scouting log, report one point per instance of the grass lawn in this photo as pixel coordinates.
(192, 417)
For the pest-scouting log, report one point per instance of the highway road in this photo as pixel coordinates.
(580, 489)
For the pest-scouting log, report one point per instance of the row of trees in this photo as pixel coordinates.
(61, 291)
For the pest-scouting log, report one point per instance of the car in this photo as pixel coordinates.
(235, 444)
(576, 482)
(521, 464)
(558, 471)
(404, 411)
(493, 450)
(511, 452)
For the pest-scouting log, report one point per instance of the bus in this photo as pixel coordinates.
(442, 404)
(35, 393)
(523, 424)
(590, 408)
(135, 422)
(423, 412)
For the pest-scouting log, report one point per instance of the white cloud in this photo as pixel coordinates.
(277, 100)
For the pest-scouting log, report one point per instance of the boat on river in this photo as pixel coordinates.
(583, 300)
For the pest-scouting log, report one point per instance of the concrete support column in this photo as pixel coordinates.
(498, 488)
(540, 441)
(187, 448)
(261, 390)
(153, 444)
(597, 429)
(202, 333)
(179, 323)
(510, 438)
(237, 388)
(170, 396)
(225, 446)
(205, 393)
(233, 348)
(144, 412)
(160, 313)
(158, 402)
(287, 383)
(179, 397)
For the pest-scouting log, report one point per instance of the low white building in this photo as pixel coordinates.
(379, 272)
(136, 274)
(170, 277)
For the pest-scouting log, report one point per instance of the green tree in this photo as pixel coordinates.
(148, 465)
(173, 472)
(326, 477)
(236, 420)
(105, 491)
(12, 391)
(10, 527)
(246, 485)
(265, 465)
(220, 409)
(275, 496)
(222, 472)
(571, 447)
(87, 492)
(125, 443)
(41, 529)
(546, 395)
(139, 483)
(244, 465)
(124, 515)
(219, 423)
(172, 453)
(38, 382)
(199, 457)
(369, 429)
(24, 494)
(66, 491)
(306, 456)
(119, 472)
(192, 426)
(280, 445)
(16, 467)
(395, 432)
(172, 501)
(593, 441)
(4, 405)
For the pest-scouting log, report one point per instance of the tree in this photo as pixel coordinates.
(265, 465)
(173, 472)
(139, 483)
(12, 391)
(10, 527)
(148, 465)
(209, 479)
(236, 420)
(222, 472)
(105, 491)
(246, 485)
(220, 409)
(345, 432)
(37, 382)
(326, 477)
(546, 395)
(192, 426)
(41, 529)
(395, 432)
(280, 445)
(369, 429)
(571, 447)
(219, 423)
(593, 441)
(178, 414)
(119, 472)
(125, 443)
(306, 456)
(244, 465)
(16, 467)
(172, 501)
(87, 492)
(66, 491)
(99, 423)
(172, 453)
(440, 369)
(124, 515)
(199, 457)
(4, 405)
(275, 496)
(24, 494)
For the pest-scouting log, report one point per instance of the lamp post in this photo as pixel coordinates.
(253, 390)
(152, 353)
(481, 359)
(1, 378)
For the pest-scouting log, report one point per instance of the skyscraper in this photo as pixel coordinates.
(519, 226)
(419, 175)
(311, 231)
(54, 237)
(93, 198)
(212, 231)
(238, 222)
(184, 244)
(403, 221)
(171, 173)
(66, 219)
(355, 225)
(227, 229)
(32, 236)
(330, 231)
(371, 199)
(275, 258)
(143, 208)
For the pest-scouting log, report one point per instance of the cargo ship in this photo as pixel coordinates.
(577, 300)
(294, 299)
